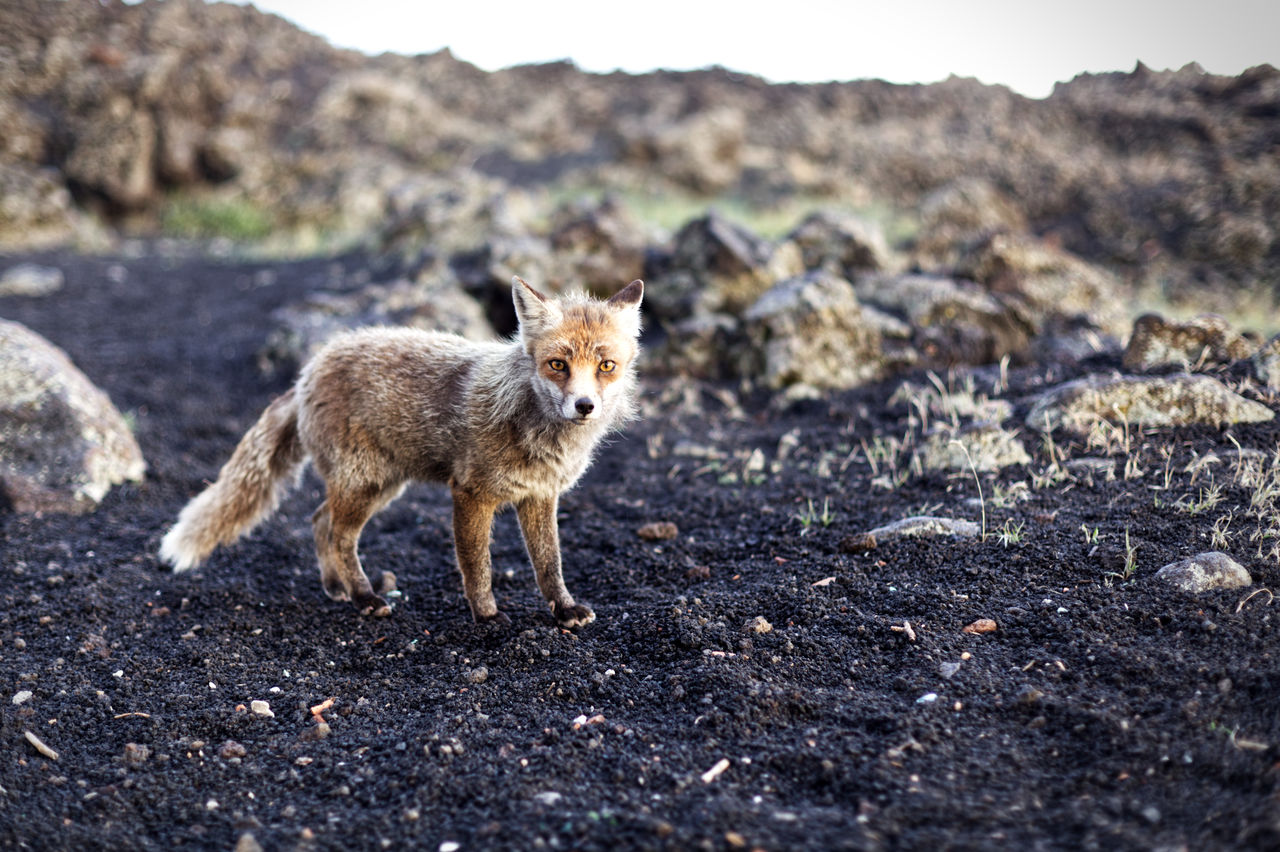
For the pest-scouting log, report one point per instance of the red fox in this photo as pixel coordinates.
(499, 422)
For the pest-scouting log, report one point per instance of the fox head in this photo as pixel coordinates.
(583, 351)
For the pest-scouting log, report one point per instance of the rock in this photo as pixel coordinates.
(986, 446)
(248, 843)
(1179, 400)
(434, 302)
(703, 346)
(702, 151)
(601, 244)
(22, 696)
(839, 244)
(982, 625)
(135, 754)
(811, 330)
(961, 212)
(924, 525)
(759, 624)
(1045, 285)
(728, 268)
(63, 445)
(30, 279)
(658, 531)
(36, 208)
(1266, 363)
(949, 321)
(1204, 340)
(231, 749)
(261, 708)
(113, 155)
(858, 543)
(1205, 572)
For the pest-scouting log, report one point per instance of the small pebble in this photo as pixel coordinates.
(261, 708)
(658, 531)
(22, 696)
(135, 754)
(982, 625)
(759, 624)
(231, 749)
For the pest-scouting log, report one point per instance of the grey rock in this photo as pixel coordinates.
(63, 445)
(1179, 400)
(811, 330)
(986, 446)
(840, 244)
(435, 302)
(1206, 339)
(30, 279)
(1205, 572)
(925, 525)
(1266, 363)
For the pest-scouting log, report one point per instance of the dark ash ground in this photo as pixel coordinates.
(1101, 714)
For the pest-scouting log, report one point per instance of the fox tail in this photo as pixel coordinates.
(263, 468)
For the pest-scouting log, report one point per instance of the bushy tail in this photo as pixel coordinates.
(261, 471)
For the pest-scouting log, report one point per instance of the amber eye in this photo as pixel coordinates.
(557, 365)
(607, 366)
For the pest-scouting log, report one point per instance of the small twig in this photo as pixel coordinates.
(905, 628)
(1254, 594)
(135, 713)
(714, 772)
(39, 745)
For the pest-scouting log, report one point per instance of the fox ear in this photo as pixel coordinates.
(534, 310)
(629, 296)
(626, 304)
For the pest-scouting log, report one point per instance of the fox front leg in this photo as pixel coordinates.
(542, 540)
(472, 524)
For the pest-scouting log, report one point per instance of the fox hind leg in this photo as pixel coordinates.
(337, 525)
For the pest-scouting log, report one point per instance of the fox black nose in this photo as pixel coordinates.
(585, 406)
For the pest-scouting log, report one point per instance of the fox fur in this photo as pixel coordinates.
(500, 423)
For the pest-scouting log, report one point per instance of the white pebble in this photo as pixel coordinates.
(261, 708)
(22, 697)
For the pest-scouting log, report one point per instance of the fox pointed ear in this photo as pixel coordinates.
(629, 296)
(535, 311)
(626, 305)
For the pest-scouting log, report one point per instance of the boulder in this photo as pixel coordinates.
(63, 445)
(811, 330)
(1044, 283)
(951, 321)
(434, 301)
(1207, 339)
(959, 213)
(601, 245)
(702, 151)
(1205, 572)
(1266, 363)
(1179, 400)
(840, 244)
(719, 266)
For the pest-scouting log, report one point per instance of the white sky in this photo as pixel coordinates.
(1024, 44)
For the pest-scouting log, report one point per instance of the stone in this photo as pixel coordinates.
(1179, 400)
(601, 244)
(1205, 572)
(1266, 363)
(728, 268)
(960, 212)
(924, 525)
(840, 244)
(434, 302)
(985, 445)
(30, 279)
(950, 321)
(811, 330)
(1207, 340)
(63, 445)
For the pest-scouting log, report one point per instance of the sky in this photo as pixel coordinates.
(1027, 45)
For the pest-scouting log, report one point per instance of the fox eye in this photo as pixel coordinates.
(557, 365)
(607, 366)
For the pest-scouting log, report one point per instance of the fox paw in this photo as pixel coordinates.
(573, 615)
(373, 605)
(498, 619)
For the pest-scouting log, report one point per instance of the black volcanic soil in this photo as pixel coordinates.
(1102, 713)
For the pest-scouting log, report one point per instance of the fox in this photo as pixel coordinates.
(513, 422)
